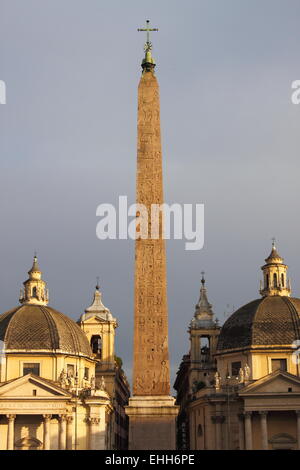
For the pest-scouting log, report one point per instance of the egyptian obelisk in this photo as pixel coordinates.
(152, 412)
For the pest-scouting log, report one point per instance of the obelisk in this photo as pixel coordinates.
(152, 412)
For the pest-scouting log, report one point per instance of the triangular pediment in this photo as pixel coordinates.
(92, 318)
(278, 382)
(30, 386)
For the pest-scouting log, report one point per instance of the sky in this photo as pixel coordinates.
(68, 143)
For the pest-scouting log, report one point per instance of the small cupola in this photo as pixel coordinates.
(35, 289)
(275, 280)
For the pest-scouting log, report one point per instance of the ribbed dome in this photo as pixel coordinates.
(272, 320)
(37, 327)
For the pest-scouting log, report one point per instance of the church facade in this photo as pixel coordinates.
(60, 385)
(243, 392)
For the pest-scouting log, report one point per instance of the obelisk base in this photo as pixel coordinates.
(152, 422)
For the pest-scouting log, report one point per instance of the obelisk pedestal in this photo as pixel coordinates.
(152, 423)
(152, 411)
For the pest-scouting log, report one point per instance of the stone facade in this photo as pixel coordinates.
(53, 393)
(254, 400)
(198, 368)
(99, 326)
(36, 413)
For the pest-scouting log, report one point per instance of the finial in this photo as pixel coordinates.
(203, 280)
(273, 242)
(35, 266)
(148, 63)
(97, 285)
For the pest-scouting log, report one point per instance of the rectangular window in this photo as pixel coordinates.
(235, 368)
(70, 370)
(279, 364)
(86, 373)
(31, 368)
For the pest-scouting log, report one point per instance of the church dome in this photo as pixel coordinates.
(33, 326)
(41, 328)
(272, 320)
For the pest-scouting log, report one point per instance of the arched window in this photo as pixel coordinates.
(34, 294)
(96, 345)
(275, 280)
(204, 349)
(282, 280)
(267, 280)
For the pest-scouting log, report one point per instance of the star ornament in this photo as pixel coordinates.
(148, 46)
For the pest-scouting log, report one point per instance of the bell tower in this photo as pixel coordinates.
(275, 280)
(99, 326)
(204, 332)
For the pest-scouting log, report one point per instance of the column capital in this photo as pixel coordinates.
(247, 414)
(263, 413)
(93, 420)
(11, 417)
(297, 413)
(47, 417)
(69, 419)
(62, 418)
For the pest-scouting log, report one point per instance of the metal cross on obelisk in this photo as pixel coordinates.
(148, 44)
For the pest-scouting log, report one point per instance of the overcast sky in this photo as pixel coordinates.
(231, 139)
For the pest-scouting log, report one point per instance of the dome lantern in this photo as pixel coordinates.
(275, 280)
(34, 291)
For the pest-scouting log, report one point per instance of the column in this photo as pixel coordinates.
(298, 428)
(195, 430)
(264, 430)
(218, 433)
(11, 432)
(47, 419)
(195, 348)
(248, 430)
(241, 432)
(94, 428)
(69, 432)
(62, 432)
(218, 420)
